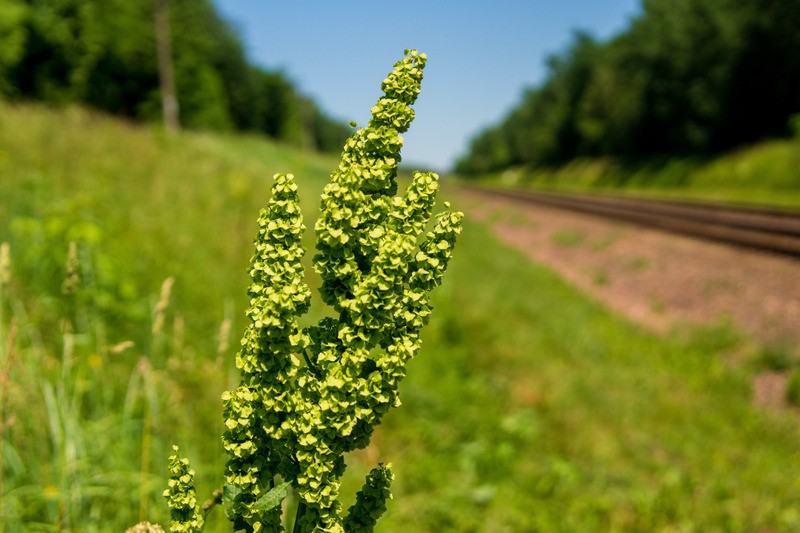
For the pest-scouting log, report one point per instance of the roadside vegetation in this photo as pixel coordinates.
(764, 173)
(529, 407)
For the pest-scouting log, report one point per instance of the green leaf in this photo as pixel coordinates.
(230, 493)
(273, 498)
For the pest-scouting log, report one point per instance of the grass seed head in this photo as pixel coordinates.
(162, 305)
(5, 264)
(73, 279)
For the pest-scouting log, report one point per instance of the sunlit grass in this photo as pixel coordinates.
(765, 173)
(142, 205)
(532, 408)
(98, 393)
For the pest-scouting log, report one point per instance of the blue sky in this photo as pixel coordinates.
(481, 55)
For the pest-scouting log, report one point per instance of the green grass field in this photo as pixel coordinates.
(530, 407)
(762, 174)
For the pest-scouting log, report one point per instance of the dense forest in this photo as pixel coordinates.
(103, 53)
(687, 77)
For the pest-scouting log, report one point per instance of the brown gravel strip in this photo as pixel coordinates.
(657, 279)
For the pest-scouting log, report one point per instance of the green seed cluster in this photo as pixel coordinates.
(185, 515)
(370, 501)
(260, 414)
(309, 395)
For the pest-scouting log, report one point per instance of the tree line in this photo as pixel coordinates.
(103, 53)
(687, 77)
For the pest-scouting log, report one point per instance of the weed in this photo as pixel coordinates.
(606, 241)
(289, 424)
(567, 238)
(5, 419)
(600, 276)
(638, 264)
(775, 357)
(656, 304)
(718, 337)
(793, 388)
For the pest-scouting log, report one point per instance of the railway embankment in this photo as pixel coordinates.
(667, 274)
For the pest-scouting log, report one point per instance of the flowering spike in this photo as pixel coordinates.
(370, 501)
(308, 396)
(185, 515)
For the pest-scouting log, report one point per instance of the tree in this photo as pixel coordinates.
(166, 76)
(687, 77)
(104, 53)
(13, 35)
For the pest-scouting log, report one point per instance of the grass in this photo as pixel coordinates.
(568, 238)
(530, 407)
(142, 207)
(544, 412)
(97, 393)
(763, 174)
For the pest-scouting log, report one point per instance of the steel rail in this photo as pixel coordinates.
(767, 229)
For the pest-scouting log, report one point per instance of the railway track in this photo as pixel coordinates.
(772, 230)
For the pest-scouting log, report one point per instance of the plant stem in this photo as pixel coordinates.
(216, 499)
(147, 441)
(12, 333)
(311, 366)
(301, 510)
(145, 464)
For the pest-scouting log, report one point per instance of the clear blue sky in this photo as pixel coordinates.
(481, 55)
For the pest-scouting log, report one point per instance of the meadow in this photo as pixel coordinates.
(529, 408)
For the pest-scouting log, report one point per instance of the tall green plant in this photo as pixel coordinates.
(309, 395)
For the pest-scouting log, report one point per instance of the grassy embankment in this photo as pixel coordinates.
(530, 407)
(767, 173)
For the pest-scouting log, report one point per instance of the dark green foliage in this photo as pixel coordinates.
(13, 36)
(686, 77)
(103, 53)
(793, 388)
